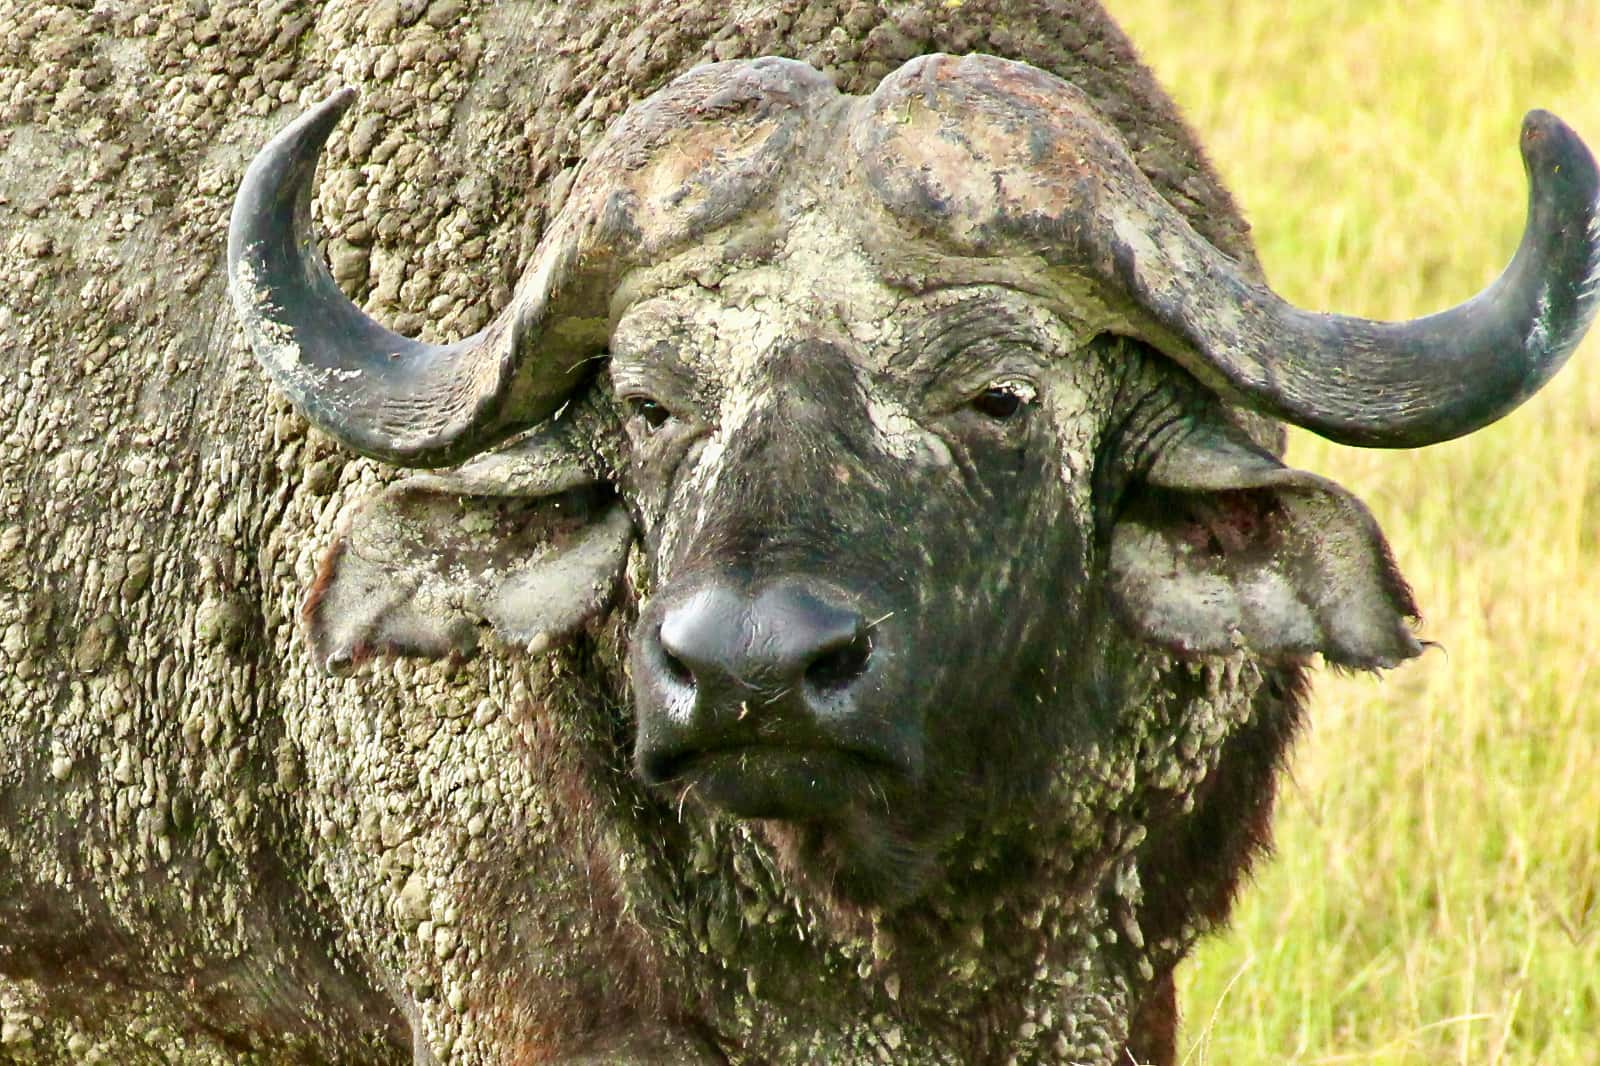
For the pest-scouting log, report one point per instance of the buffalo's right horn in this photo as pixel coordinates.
(676, 167)
(381, 394)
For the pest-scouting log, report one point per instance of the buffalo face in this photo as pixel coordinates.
(867, 517)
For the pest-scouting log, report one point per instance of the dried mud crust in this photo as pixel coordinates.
(210, 852)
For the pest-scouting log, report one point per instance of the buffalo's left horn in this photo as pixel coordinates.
(381, 394)
(1391, 384)
(1015, 160)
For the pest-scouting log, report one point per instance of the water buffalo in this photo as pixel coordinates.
(900, 469)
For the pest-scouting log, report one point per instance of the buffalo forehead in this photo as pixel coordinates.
(823, 281)
(735, 342)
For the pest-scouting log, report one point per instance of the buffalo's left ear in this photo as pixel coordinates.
(1222, 547)
(526, 541)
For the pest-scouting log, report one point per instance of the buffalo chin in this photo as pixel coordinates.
(863, 860)
(826, 813)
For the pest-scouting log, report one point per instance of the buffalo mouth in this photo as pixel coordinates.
(775, 781)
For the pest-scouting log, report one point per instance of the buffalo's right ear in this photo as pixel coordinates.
(526, 542)
(1221, 547)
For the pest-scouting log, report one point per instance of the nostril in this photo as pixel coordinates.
(659, 768)
(840, 666)
(677, 671)
(675, 667)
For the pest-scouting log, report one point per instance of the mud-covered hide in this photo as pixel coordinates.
(212, 851)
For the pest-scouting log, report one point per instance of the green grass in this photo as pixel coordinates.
(1435, 897)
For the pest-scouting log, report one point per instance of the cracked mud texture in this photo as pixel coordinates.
(211, 852)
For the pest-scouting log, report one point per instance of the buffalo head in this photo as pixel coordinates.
(927, 448)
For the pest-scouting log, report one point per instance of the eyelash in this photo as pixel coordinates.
(1003, 400)
(651, 412)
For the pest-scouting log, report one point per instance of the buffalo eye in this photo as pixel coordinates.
(651, 412)
(1002, 400)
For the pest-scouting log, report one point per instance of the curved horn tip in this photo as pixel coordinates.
(311, 129)
(331, 106)
(308, 132)
(1553, 150)
(281, 173)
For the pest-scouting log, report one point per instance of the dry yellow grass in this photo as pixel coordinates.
(1436, 893)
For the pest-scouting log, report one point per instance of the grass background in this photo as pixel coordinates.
(1435, 897)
